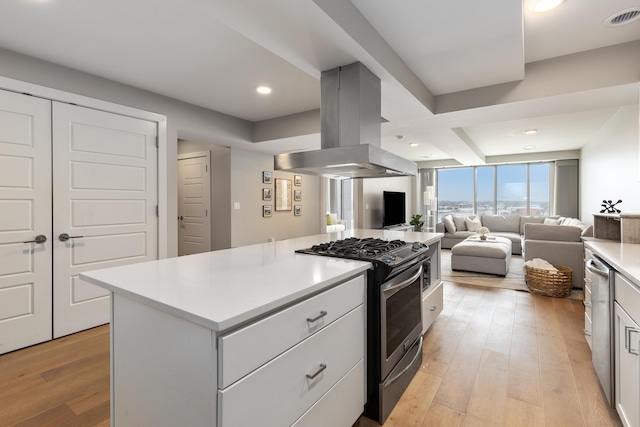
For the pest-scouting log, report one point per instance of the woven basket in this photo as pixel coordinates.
(549, 283)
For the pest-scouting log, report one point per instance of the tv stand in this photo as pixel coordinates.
(399, 227)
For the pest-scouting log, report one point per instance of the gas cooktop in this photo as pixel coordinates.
(390, 252)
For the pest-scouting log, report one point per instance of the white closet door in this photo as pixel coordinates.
(25, 212)
(105, 197)
(194, 203)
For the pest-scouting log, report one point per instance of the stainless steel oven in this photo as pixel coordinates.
(394, 313)
(400, 316)
(401, 337)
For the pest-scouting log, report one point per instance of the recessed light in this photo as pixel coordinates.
(265, 90)
(413, 144)
(529, 147)
(541, 6)
(530, 131)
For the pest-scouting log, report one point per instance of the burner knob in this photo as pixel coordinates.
(416, 246)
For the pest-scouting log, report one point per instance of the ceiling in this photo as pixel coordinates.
(462, 79)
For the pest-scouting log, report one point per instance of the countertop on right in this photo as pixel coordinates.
(624, 257)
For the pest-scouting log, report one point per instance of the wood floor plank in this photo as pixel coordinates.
(559, 394)
(459, 379)
(415, 401)
(522, 414)
(441, 416)
(489, 393)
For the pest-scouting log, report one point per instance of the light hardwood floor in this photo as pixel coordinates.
(494, 357)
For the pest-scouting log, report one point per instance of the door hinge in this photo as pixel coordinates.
(158, 211)
(206, 168)
(206, 212)
(157, 142)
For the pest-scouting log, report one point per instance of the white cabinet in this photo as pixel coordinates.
(627, 351)
(300, 363)
(301, 354)
(432, 301)
(432, 297)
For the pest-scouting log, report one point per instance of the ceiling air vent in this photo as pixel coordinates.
(623, 17)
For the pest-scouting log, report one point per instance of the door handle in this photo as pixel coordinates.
(64, 237)
(40, 238)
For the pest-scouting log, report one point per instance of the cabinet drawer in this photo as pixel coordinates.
(278, 393)
(587, 328)
(342, 405)
(587, 299)
(627, 294)
(246, 349)
(431, 306)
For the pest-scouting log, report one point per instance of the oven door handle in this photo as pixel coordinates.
(409, 365)
(391, 288)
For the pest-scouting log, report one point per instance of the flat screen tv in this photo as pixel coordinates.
(393, 208)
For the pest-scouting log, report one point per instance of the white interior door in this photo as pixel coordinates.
(25, 212)
(194, 203)
(105, 199)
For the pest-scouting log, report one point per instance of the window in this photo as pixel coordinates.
(539, 193)
(504, 189)
(511, 189)
(455, 191)
(485, 190)
(339, 199)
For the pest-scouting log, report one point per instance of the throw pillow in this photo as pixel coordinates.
(460, 224)
(473, 223)
(551, 221)
(449, 226)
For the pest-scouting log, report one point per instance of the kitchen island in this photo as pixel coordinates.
(222, 338)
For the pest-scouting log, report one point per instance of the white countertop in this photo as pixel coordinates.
(624, 257)
(225, 288)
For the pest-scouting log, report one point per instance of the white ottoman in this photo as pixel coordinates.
(483, 256)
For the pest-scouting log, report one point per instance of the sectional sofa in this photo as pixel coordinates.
(554, 239)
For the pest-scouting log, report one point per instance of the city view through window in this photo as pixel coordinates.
(523, 189)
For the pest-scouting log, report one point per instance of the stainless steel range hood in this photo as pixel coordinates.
(349, 132)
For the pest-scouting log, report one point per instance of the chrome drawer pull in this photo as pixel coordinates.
(587, 332)
(586, 303)
(628, 330)
(318, 372)
(433, 308)
(318, 317)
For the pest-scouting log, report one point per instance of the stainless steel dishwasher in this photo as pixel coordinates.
(599, 276)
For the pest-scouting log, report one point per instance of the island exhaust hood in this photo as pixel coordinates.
(349, 132)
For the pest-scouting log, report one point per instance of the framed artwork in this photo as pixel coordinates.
(266, 177)
(267, 194)
(283, 194)
(297, 180)
(266, 211)
(297, 210)
(297, 195)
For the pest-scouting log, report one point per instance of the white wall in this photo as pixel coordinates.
(247, 224)
(610, 166)
(372, 198)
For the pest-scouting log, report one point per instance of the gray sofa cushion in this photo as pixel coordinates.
(509, 223)
(556, 233)
(530, 220)
(460, 223)
(449, 225)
